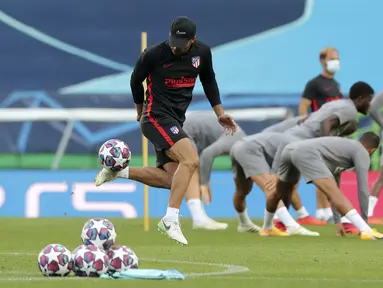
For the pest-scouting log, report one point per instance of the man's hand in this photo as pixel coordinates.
(340, 230)
(271, 181)
(139, 108)
(229, 125)
(206, 193)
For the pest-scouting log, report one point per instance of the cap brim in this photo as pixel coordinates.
(177, 41)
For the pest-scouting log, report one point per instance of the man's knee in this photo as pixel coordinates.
(191, 162)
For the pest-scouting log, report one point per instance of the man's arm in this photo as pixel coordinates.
(375, 111)
(362, 164)
(140, 73)
(220, 147)
(209, 83)
(308, 95)
(342, 116)
(327, 125)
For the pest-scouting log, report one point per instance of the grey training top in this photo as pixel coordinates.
(340, 154)
(344, 109)
(376, 105)
(284, 125)
(206, 133)
(270, 142)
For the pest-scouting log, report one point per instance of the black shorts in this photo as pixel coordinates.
(162, 158)
(163, 135)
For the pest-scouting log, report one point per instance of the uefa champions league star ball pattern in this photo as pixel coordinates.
(114, 155)
(122, 258)
(55, 260)
(99, 232)
(90, 261)
(74, 252)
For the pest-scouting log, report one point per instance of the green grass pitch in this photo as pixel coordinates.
(212, 258)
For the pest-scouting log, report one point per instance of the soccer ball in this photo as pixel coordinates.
(114, 155)
(55, 260)
(90, 261)
(122, 258)
(78, 249)
(99, 232)
(74, 252)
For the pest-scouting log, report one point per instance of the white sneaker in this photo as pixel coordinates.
(210, 224)
(301, 231)
(252, 228)
(173, 229)
(104, 176)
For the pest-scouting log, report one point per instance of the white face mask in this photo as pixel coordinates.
(333, 66)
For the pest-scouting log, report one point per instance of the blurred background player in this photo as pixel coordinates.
(320, 161)
(171, 69)
(252, 159)
(319, 90)
(377, 116)
(303, 215)
(210, 141)
(336, 118)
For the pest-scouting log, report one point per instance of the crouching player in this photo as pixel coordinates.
(304, 218)
(376, 114)
(320, 161)
(252, 158)
(210, 142)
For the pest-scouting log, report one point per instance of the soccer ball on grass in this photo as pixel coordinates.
(55, 261)
(99, 232)
(122, 258)
(90, 261)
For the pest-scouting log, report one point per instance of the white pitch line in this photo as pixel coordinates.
(343, 280)
(220, 275)
(229, 269)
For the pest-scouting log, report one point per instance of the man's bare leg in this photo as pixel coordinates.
(330, 188)
(375, 192)
(243, 187)
(151, 176)
(323, 211)
(293, 228)
(185, 154)
(273, 200)
(304, 217)
(197, 211)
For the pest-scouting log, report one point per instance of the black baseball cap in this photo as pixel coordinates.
(182, 30)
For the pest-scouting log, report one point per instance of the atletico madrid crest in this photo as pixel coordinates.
(196, 61)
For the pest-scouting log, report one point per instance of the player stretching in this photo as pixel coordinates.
(337, 117)
(377, 115)
(206, 134)
(171, 69)
(303, 215)
(321, 162)
(252, 159)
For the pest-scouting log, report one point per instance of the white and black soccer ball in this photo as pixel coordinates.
(55, 261)
(114, 155)
(90, 261)
(122, 258)
(99, 232)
